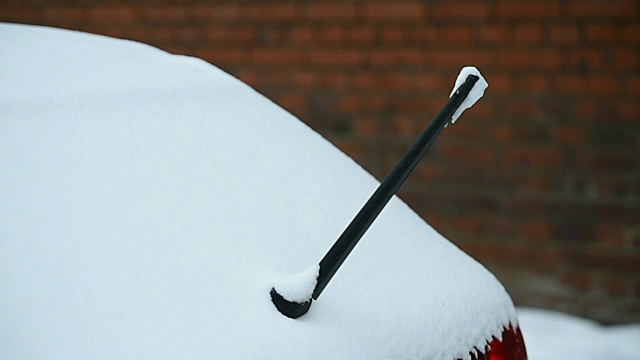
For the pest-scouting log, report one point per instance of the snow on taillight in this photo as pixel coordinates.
(510, 348)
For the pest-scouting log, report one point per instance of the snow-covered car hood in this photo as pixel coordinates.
(149, 201)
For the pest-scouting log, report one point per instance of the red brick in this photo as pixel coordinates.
(273, 36)
(501, 226)
(603, 9)
(578, 281)
(538, 230)
(459, 34)
(395, 10)
(13, 3)
(524, 107)
(334, 34)
(245, 34)
(549, 257)
(484, 110)
(165, 35)
(366, 126)
(518, 59)
(427, 34)
(604, 33)
(587, 110)
(633, 84)
(570, 83)
(291, 101)
(397, 81)
(500, 253)
(605, 85)
(612, 234)
(534, 157)
(632, 34)
(189, 35)
(404, 125)
(273, 79)
(19, 15)
(396, 57)
(615, 286)
(273, 56)
(536, 184)
(461, 153)
(395, 33)
(501, 133)
(65, 15)
(548, 59)
(305, 78)
(331, 11)
(588, 59)
(618, 213)
(336, 57)
(567, 134)
(217, 12)
(117, 32)
(462, 57)
(304, 35)
(536, 84)
(608, 160)
(628, 111)
(626, 60)
(431, 81)
(500, 83)
(219, 34)
(494, 34)
(429, 171)
(226, 56)
(352, 148)
(510, 9)
(528, 34)
(635, 235)
(411, 105)
(564, 34)
(138, 31)
(164, 14)
(469, 130)
(361, 34)
(366, 80)
(608, 187)
(272, 12)
(514, 58)
(468, 224)
(336, 80)
(449, 10)
(114, 13)
(351, 103)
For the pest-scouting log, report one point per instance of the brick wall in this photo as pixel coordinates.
(540, 181)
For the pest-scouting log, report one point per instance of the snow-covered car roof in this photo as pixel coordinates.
(149, 201)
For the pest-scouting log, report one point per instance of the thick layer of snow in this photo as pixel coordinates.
(476, 91)
(148, 202)
(298, 287)
(551, 335)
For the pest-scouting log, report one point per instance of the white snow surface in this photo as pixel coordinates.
(476, 91)
(148, 203)
(551, 335)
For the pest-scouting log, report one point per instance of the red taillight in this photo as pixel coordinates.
(510, 348)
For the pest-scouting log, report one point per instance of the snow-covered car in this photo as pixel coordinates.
(149, 202)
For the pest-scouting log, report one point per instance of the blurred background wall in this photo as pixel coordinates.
(540, 181)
